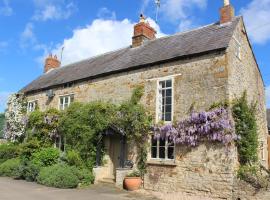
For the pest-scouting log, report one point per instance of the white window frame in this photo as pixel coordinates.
(62, 106)
(166, 151)
(158, 97)
(238, 49)
(32, 108)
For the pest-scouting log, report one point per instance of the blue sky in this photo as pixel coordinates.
(31, 29)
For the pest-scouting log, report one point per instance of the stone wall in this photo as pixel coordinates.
(207, 170)
(244, 75)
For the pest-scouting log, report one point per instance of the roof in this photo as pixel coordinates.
(201, 40)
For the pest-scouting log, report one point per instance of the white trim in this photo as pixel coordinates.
(166, 151)
(162, 78)
(63, 96)
(34, 106)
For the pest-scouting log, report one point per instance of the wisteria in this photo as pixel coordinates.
(213, 126)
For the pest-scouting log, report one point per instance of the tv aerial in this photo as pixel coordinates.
(157, 9)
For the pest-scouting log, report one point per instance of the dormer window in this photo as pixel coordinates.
(31, 106)
(65, 101)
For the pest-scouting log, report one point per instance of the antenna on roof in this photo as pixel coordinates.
(62, 50)
(158, 7)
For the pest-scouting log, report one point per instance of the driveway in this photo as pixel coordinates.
(20, 190)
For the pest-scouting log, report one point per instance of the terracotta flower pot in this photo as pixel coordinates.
(132, 183)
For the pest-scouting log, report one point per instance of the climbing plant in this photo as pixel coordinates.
(246, 127)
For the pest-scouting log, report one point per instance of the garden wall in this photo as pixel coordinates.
(207, 170)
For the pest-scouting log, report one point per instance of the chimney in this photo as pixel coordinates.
(51, 63)
(142, 32)
(226, 12)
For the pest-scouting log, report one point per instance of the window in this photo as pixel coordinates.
(31, 106)
(237, 49)
(65, 101)
(262, 150)
(59, 143)
(162, 149)
(165, 101)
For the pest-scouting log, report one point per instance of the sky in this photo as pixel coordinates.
(31, 29)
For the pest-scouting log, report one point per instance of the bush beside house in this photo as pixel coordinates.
(2, 123)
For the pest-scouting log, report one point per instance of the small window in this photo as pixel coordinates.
(65, 101)
(31, 106)
(165, 99)
(59, 143)
(238, 49)
(262, 150)
(162, 149)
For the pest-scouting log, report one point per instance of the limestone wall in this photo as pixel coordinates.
(245, 75)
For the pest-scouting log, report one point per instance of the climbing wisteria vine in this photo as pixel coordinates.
(214, 126)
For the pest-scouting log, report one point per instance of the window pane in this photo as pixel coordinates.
(168, 100)
(168, 92)
(154, 152)
(154, 141)
(162, 152)
(168, 117)
(170, 152)
(162, 142)
(162, 84)
(168, 109)
(169, 83)
(61, 100)
(163, 93)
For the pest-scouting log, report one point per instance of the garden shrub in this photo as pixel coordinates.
(85, 176)
(29, 148)
(29, 170)
(46, 157)
(59, 176)
(10, 168)
(73, 158)
(8, 151)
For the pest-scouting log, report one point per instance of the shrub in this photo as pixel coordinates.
(8, 151)
(29, 170)
(59, 176)
(10, 168)
(134, 174)
(74, 159)
(29, 148)
(85, 176)
(46, 157)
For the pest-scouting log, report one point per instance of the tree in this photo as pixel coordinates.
(2, 123)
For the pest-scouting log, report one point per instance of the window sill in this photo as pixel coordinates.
(162, 162)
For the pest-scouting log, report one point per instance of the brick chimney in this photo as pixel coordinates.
(51, 63)
(226, 12)
(142, 32)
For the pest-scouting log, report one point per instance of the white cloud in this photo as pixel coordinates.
(6, 10)
(3, 100)
(145, 4)
(181, 9)
(256, 15)
(105, 13)
(53, 9)
(28, 37)
(267, 93)
(99, 37)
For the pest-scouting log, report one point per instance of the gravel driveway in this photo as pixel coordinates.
(20, 190)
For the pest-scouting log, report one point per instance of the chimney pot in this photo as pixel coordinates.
(51, 63)
(142, 32)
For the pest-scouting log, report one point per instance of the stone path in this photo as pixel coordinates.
(20, 190)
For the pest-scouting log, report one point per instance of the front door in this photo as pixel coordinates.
(114, 155)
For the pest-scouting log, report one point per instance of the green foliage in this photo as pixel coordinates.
(221, 104)
(73, 158)
(134, 174)
(46, 157)
(59, 176)
(85, 176)
(43, 126)
(2, 124)
(29, 148)
(246, 127)
(82, 125)
(8, 151)
(253, 175)
(29, 170)
(10, 168)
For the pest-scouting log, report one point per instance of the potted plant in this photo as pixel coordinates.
(133, 181)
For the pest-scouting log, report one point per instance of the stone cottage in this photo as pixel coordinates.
(209, 64)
